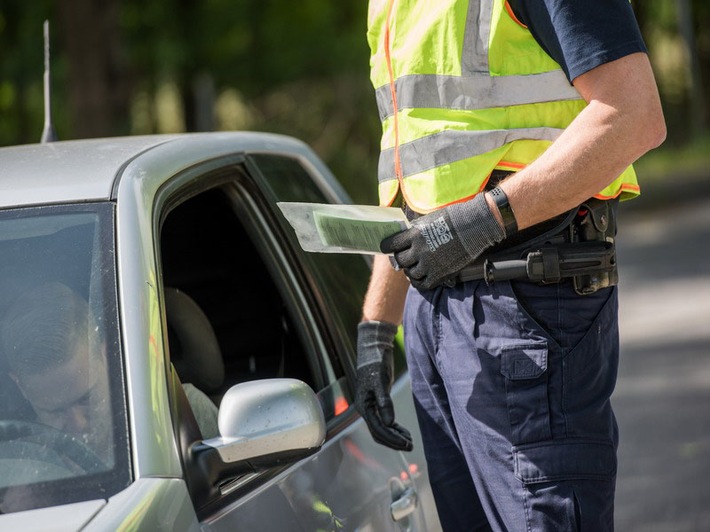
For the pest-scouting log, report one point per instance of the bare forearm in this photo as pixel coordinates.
(622, 122)
(386, 293)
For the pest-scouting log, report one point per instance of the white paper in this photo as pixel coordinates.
(326, 228)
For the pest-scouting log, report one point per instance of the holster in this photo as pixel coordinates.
(596, 222)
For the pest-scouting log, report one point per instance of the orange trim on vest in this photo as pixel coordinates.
(625, 187)
(508, 165)
(467, 198)
(512, 14)
(393, 91)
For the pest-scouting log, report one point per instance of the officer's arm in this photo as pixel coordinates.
(623, 121)
(386, 293)
(382, 312)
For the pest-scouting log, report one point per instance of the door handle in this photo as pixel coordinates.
(404, 504)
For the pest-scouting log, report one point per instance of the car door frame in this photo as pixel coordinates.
(139, 293)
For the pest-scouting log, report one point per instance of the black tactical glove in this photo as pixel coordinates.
(375, 366)
(440, 244)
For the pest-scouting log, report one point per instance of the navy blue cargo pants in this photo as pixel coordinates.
(512, 384)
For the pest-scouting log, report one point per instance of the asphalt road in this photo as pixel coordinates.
(662, 398)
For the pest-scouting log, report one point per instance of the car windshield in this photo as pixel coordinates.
(62, 413)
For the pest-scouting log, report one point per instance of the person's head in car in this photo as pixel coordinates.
(57, 358)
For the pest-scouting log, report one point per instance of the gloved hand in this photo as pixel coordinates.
(440, 244)
(375, 366)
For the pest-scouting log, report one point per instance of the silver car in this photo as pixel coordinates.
(170, 359)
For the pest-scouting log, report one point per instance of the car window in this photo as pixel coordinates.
(62, 414)
(236, 310)
(340, 279)
(215, 252)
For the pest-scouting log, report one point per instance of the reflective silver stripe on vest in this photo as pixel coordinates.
(475, 88)
(450, 146)
(474, 57)
(474, 92)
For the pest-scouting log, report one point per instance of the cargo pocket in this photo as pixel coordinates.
(525, 371)
(556, 461)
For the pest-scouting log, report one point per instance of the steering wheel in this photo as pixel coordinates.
(64, 444)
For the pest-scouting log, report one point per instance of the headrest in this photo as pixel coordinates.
(194, 349)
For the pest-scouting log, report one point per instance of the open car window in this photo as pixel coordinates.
(63, 435)
(340, 280)
(224, 267)
(251, 322)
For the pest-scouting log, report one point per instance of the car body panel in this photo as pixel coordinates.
(137, 187)
(147, 504)
(71, 516)
(356, 487)
(38, 174)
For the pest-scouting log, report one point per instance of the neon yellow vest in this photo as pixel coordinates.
(463, 88)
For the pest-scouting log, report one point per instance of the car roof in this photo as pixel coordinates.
(87, 170)
(65, 171)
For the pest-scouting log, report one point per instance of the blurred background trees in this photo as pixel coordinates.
(679, 46)
(125, 67)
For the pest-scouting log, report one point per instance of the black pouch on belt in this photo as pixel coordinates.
(595, 222)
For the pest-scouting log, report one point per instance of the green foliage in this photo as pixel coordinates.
(272, 65)
(680, 55)
(687, 161)
(299, 69)
(21, 69)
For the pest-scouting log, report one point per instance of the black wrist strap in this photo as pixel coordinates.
(506, 212)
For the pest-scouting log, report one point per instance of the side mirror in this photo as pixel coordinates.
(262, 424)
(269, 420)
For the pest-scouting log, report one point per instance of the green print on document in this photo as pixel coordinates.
(362, 235)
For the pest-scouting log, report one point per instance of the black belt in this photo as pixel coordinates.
(549, 264)
(578, 245)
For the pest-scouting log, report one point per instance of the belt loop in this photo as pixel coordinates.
(551, 265)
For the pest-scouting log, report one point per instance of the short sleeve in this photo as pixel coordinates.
(581, 34)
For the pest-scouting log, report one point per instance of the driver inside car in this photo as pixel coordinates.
(57, 358)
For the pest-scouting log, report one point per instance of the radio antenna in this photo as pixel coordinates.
(48, 133)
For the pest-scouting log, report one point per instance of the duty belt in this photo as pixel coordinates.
(578, 245)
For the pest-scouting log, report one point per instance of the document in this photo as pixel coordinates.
(326, 228)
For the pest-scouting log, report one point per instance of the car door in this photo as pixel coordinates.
(339, 282)
(274, 312)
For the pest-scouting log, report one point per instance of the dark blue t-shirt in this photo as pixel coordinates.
(581, 34)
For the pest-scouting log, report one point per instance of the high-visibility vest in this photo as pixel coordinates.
(463, 89)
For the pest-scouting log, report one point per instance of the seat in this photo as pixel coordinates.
(194, 349)
(13, 404)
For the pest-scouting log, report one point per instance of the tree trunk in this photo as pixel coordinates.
(97, 74)
(696, 94)
(701, 20)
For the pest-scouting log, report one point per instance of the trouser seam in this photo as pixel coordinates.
(526, 508)
(438, 327)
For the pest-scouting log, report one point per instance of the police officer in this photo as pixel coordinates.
(500, 119)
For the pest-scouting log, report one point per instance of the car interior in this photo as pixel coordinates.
(227, 322)
(62, 249)
(32, 259)
(232, 311)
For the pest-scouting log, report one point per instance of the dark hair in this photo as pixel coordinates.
(43, 326)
